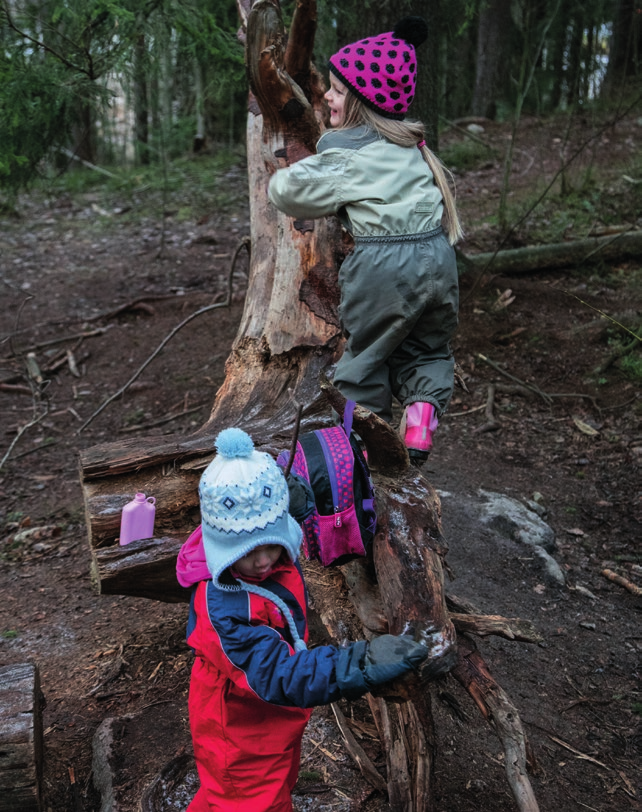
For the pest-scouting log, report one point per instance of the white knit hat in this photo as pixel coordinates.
(244, 504)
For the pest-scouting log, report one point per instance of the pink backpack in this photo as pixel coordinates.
(344, 522)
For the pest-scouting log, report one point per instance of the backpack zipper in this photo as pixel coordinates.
(329, 462)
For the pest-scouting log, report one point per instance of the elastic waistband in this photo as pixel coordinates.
(421, 237)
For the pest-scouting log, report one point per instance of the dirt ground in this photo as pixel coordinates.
(87, 297)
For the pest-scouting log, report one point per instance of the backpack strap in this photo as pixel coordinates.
(339, 460)
(348, 414)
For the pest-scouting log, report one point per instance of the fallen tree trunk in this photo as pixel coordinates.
(516, 261)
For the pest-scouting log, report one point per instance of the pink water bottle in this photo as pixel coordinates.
(137, 519)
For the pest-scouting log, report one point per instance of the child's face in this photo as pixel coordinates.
(259, 563)
(336, 98)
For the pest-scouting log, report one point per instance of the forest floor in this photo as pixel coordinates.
(92, 281)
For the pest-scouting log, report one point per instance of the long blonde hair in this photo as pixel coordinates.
(407, 133)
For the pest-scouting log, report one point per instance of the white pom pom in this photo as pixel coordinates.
(233, 443)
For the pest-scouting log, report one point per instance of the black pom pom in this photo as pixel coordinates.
(413, 30)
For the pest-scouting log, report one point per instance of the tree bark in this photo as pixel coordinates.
(21, 738)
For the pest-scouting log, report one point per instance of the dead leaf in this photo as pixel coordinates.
(574, 531)
(503, 300)
(33, 369)
(71, 363)
(34, 534)
(585, 428)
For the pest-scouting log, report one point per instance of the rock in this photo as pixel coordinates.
(552, 570)
(515, 521)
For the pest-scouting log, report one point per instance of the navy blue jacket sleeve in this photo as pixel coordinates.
(259, 657)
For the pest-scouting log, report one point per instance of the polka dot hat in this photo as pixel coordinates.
(382, 70)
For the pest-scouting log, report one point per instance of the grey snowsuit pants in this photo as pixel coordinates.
(399, 306)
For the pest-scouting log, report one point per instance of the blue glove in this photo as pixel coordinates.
(362, 666)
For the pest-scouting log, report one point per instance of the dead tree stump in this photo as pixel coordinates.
(288, 339)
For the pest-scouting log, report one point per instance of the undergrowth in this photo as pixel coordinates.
(190, 186)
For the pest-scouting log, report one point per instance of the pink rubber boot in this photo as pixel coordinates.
(418, 425)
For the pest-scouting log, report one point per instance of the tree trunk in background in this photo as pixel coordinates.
(199, 135)
(559, 30)
(574, 71)
(83, 134)
(382, 15)
(494, 23)
(141, 102)
(625, 58)
(458, 68)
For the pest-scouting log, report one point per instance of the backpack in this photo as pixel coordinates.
(344, 521)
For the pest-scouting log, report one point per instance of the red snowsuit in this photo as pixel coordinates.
(250, 692)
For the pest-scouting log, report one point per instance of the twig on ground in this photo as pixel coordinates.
(161, 420)
(622, 581)
(468, 411)
(164, 342)
(491, 424)
(620, 352)
(578, 753)
(246, 243)
(546, 398)
(144, 366)
(15, 388)
(37, 385)
(358, 754)
(73, 337)
(37, 419)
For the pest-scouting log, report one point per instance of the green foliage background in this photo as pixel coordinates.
(59, 60)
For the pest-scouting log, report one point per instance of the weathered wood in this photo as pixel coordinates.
(171, 776)
(407, 554)
(516, 261)
(282, 101)
(511, 628)
(473, 674)
(357, 753)
(142, 569)
(21, 738)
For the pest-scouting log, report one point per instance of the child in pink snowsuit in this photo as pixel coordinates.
(254, 681)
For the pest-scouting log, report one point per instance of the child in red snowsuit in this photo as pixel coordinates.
(254, 681)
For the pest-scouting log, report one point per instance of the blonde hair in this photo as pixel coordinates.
(407, 133)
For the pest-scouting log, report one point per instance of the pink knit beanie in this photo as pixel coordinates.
(382, 70)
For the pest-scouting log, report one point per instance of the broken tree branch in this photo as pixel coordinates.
(495, 705)
(546, 398)
(357, 753)
(622, 581)
(510, 628)
(491, 424)
(164, 342)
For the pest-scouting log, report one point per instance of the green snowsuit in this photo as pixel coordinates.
(399, 287)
